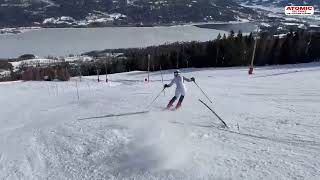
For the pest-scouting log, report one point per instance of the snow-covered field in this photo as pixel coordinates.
(43, 61)
(274, 121)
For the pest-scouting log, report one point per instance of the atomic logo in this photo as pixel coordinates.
(299, 10)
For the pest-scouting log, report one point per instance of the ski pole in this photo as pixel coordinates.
(202, 91)
(155, 98)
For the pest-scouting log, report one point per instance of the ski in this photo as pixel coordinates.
(214, 113)
(169, 109)
(114, 115)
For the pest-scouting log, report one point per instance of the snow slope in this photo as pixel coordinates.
(273, 117)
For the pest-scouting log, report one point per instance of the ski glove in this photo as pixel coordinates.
(166, 86)
(193, 79)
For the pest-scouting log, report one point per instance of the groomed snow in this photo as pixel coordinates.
(276, 110)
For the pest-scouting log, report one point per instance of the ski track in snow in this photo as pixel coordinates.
(273, 118)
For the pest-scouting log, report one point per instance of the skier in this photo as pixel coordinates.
(180, 88)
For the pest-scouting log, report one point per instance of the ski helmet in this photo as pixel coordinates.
(177, 72)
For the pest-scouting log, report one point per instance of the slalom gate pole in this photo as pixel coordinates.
(164, 92)
(149, 57)
(202, 91)
(224, 123)
(155, 98)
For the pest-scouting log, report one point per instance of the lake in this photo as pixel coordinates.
(65, 41)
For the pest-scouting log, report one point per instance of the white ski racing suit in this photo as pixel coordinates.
(180, 87)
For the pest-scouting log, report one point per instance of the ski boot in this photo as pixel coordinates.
(171, 102)
(179, 102)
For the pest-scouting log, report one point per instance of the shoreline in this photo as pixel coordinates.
(20, 30)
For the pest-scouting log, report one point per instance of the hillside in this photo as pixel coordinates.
(273, 119)
(60, 13)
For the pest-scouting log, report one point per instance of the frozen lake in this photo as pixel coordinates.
(65, 41)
